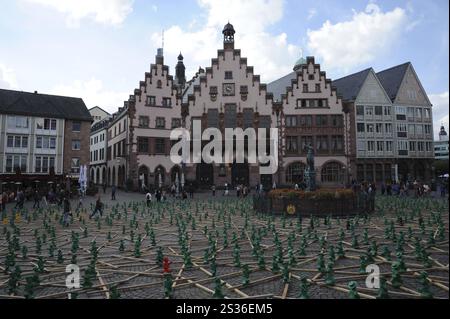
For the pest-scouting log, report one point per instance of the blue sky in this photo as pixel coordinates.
(100, 49)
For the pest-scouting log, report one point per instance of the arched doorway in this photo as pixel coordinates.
(240, 174)
(332, 172)
(143, 176)
(419, 171)
(92, 177)
(103, 175)
(173, 174)
(113, 182)
(97, 176)
(204, 174)
(403, 171)
(160, 176)
(295, 173)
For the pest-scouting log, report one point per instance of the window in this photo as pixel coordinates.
(360, 127)
(16, 162)
(427, 129)
(306, 120)
(321, 120)
(332, 173)
(337, 120)
(228, 75)
(10, 141)
(167, 102)
(428, 146)
(420, 146)
(291, 121)
(244, 89)
(427, 113)
(388, 128)
(412, 95)
(419, 129)
(410, 112)
(361, 146)
(143, 145)
(143, 121)
(387, 110)
(160, 122)
(15, 122)
(291, 144)
(317, 87)
(305, 88)
(380, 146)
(76, 126)
(75, 165)
(76, 145)
(176, 123)
(306, 141)
(159, 84)
(371, 146)
(322, 103)
(311, 77)
(419, 113)
(378, 110)
(294, 172)
(160, 146)
(369, 128)
(401, 113)
(389, 146)
(360, 110)
(412, 146)
(402, 148)
(322, 143)
(45, 142)
(369, 110)
(337, 143)
(411, 129)
(151, 100)
(379, 128)
(17, 141)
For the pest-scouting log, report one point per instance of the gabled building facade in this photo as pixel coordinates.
(413, 120)
(372, 125)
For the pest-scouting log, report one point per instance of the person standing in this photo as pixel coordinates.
(213, 189)
(113, 192)
(238, 191)
(66, 211)
(37, 199)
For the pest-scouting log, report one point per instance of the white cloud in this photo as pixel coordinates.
(311, 13)
(109, 12)
(268, 53)
(349, 44)
(7, 78)
(93, 94)
(440, 111)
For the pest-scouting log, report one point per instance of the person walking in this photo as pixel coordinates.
(66, 211)
(148, 198)
(113, 192)
(98, 208)
(37, 199)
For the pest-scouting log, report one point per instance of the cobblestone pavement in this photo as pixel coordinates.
(213, 243)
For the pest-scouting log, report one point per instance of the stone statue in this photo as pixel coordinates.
(310, 172)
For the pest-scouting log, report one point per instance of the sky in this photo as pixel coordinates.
(99, 50)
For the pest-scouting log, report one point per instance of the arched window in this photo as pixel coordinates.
(159, 84)
(332, 173)
(295, 172)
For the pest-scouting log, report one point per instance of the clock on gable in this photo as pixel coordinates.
(228, 89)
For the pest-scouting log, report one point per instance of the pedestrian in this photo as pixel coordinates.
(158, 195)
(66, 211)
(191, 191)
(213, 188)
(37, 199)
(238, 191)
(98, 208)
(3, 199)
(113, 192)
(148, 198)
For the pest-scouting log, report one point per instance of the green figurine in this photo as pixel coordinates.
(425, 289)
(218, 293)
(304, 285)
(353, 293)
(383, 291)
(396, 279)
(245, 275)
